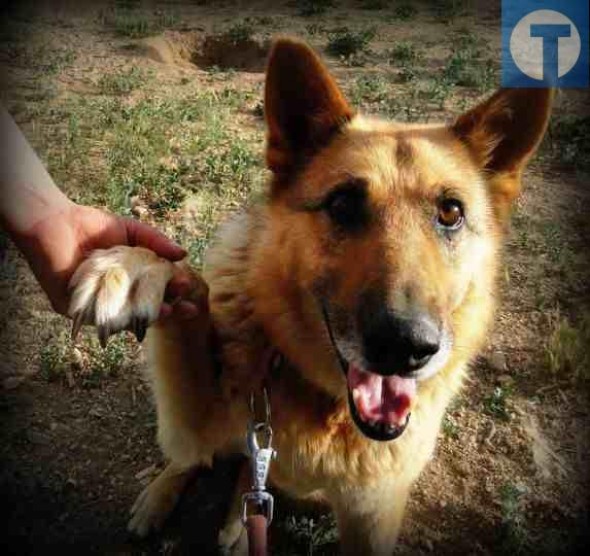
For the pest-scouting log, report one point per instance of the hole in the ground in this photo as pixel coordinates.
(226, 52)
(223, 51)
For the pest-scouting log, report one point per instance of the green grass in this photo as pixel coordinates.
(408, 73)
(375, 94)
(159, 150)
(128, 21)
(369, 89)
(197, 241)
(308, 8)
(121, 82)
(449, 428)
(232, 162)
(403, 52)
(447, 10)
(86, 364)
(44, 59)
(465, 38)
(437, 90)
(495, 404)
(54, 361)
(314, 29)
(568, 141)
(211, 161)
(372, 4)
(275, 22)
(514, 533)
(466, 69)
(345, 42)
(407, 58)
(467, 65)
(309, 535)
(240, 31)
(550, 240)
(141, 144)
(404, 11)
(566, 350)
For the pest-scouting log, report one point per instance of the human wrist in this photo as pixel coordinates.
(25, 216)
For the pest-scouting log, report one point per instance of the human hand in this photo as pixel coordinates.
(56, 245)
(55, 234)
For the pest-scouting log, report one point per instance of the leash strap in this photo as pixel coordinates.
(258, 503)
(256, 526)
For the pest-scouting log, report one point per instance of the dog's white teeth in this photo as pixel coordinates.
(356, 394)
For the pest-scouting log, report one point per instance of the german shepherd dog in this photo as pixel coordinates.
(370, 269)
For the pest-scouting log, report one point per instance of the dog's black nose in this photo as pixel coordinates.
(398, 343)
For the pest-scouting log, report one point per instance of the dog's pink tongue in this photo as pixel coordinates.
(381, 398)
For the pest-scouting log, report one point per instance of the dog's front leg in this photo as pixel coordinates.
(157, 500)
(369, 519)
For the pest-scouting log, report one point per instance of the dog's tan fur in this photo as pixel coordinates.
(267, 261)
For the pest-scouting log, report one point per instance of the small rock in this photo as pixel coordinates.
(139, 211)
(505, 380)
(53, 426)
(497, 362)
(12, 382)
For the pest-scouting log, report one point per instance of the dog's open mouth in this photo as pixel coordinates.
(380, 405)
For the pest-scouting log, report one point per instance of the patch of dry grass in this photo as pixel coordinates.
(567, 352)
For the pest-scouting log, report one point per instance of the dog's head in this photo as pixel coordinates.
(391, 230)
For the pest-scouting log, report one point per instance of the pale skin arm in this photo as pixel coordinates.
(55, 234)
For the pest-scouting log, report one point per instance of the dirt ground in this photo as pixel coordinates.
(154, 110)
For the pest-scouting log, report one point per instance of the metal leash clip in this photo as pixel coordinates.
(259, 440)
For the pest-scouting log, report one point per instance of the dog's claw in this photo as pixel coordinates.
(77, 324)
(103, 336)
(119, 289)
(140, 325)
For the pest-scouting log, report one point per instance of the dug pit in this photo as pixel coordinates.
(222, 51)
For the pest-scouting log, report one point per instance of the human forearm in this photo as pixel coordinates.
(28, 195)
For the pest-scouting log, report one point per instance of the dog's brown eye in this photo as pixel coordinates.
(346, 207)
(450, 214)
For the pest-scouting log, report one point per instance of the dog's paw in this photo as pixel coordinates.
(232, 539)
(121, 288)
(150, 510)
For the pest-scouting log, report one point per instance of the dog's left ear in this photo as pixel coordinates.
(502, 134)
(303, 105)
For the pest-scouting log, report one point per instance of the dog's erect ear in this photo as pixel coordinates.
(303, 105)
(502, 133)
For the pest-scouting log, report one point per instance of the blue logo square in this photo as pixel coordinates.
(545, 43)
